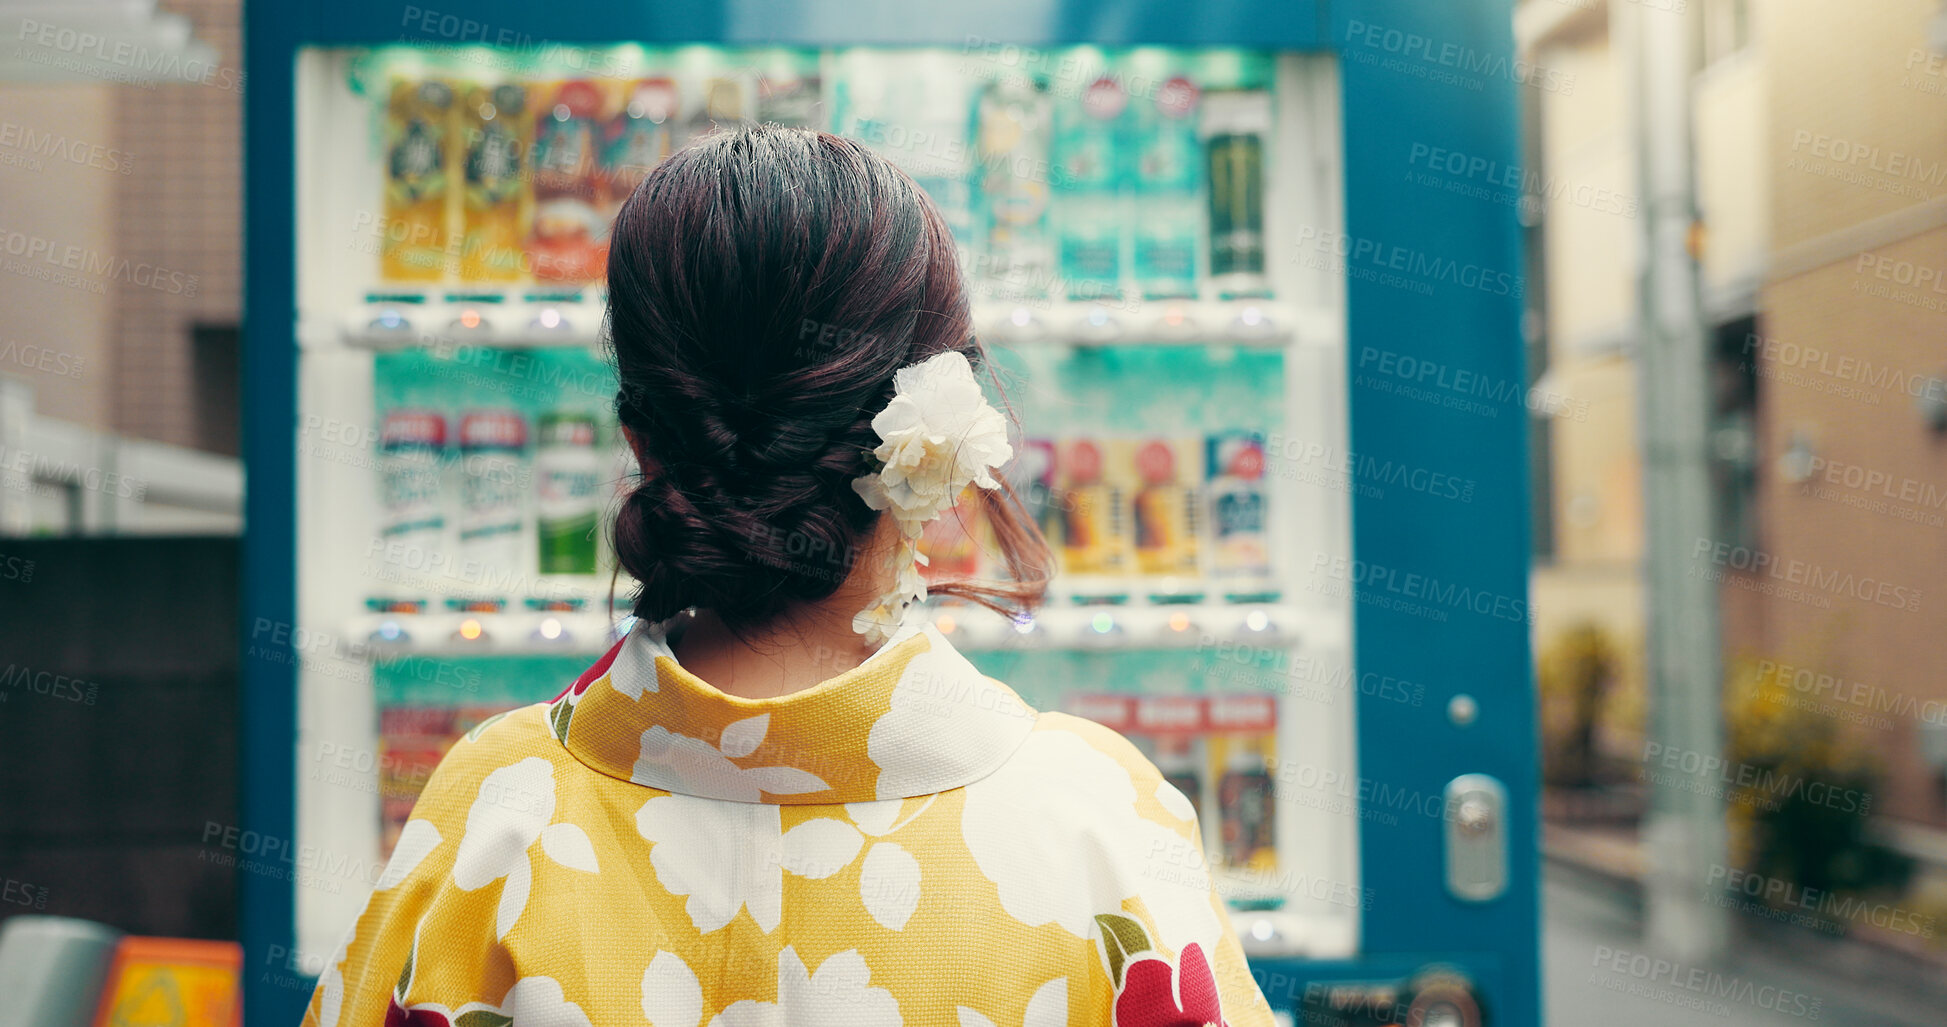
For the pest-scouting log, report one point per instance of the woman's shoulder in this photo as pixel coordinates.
(1104, 740)
(505, 740)
(1069, 763)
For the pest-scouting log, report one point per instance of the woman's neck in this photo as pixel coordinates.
(799, 648)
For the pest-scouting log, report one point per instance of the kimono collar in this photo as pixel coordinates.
(915, 718)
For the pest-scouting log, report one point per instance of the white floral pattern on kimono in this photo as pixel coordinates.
(905, 843)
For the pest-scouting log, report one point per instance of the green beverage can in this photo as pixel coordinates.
(1234, 127)
(567, 472)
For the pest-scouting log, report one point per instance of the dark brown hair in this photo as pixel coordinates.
(763, 286)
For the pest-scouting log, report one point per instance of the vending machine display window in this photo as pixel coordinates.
(1130, 223)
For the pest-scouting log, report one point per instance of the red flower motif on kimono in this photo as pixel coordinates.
(397, 1015)
(1156, 994)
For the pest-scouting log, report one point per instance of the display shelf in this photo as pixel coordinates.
(1257, 322)
(972, 628)
(482, 634)
(1137, 626)
(524, 319)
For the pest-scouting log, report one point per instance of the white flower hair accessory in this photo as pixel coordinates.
(938, 435)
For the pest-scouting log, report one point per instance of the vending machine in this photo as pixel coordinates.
(1291, 560)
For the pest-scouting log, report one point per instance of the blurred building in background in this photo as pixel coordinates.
(118, 356)
(1822, 247)
(120, 488)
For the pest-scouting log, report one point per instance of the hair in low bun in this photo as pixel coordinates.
(764, 284)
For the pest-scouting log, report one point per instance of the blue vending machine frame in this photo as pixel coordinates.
(1436, 375)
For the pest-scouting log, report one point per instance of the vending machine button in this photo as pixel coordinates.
(1097, 326)
(1477, 838)
(1175, 323)
(1252, 323)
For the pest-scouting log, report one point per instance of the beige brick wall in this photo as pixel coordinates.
(181, 210)
(1852, 93)
(1857, 150)
(1877, 511)
(54, 335)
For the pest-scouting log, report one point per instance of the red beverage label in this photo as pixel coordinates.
(493, 429)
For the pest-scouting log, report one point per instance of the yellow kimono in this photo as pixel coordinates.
(906, 843)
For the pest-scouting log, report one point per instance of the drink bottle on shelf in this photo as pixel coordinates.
(1247, 801)
(567, 477)
(418, 180)
(936, 150)
(912, 108)
(1165, 513)
(1011, 139)
(569, 240)
(493, 502)
(494, 143)
(1087, 175)
(1167, 173)
(638, 137)
(1240, 554)
(1095, 539)
(412, 514)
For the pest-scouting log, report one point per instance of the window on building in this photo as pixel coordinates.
(217, 372)
(1734, 433)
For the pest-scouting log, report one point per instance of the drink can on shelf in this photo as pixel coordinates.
(1235, 124)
